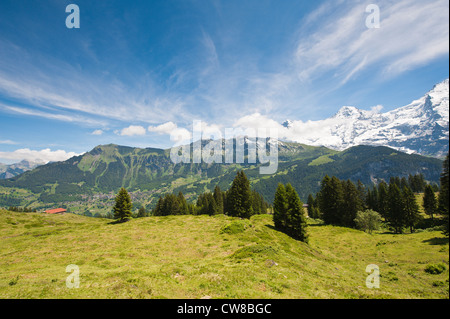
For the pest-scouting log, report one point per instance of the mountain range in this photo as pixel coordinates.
(421, 127)
(92, 179)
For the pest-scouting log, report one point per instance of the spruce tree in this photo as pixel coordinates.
(123, 206)
(280, 208)
(362, 194)
(239, 197)
(443, 199)
(157, 211)
(296, 219)
(183, 207)
(141, 212)
(410, 207)
(331, 200)
(218, 197)
(429, 202)
(351, 204)
(383, 199)
(395, 211)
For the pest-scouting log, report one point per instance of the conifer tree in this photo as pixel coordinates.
(218, 198)
(396, 212)
(123, 206)
(351, 204)
(383, 199)
(157, 211)
(239, 197)
(410, 207)
(331, 200)
(141, 212)
(372, 199)
(362, 194)
(280, 208)
(443, 199)
(296, 219)
(429, 202)
(183, 207)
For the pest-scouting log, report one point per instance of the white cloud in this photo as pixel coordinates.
(165, 128)
(45, 155)
(97, 132)
(8, 142)
(177, 134)
(133, 130)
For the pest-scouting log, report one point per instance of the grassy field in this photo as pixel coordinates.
(211, 257)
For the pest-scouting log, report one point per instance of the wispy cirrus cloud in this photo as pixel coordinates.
(340, 44)
(52, 114)
(7, 142)
(46, 82)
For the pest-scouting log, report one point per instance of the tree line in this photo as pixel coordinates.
(21, 209)
(338, 202)
(239, 201)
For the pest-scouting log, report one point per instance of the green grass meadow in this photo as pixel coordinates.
(212, 257)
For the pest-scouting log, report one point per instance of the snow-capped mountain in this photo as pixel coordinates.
(420, 127)
(11, 170)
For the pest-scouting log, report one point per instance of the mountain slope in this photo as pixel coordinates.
(421, 127)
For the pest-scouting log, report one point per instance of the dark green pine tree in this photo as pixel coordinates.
(296, 219)
(372, 199)
(157, 211)
(383, 200)
(123, 206)
(443, 199)
(362, 194)
(395, 212)
(171, 205)
(411, 209)
(351, 204)
(218, 198)
(239, 197)
(142, 212)
(280, 208)
(183, 206)
(429, 202)
(331, 198)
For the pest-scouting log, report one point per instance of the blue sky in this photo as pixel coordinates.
(135, 71)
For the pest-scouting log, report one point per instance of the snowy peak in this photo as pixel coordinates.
(349, 112)
(420, 127)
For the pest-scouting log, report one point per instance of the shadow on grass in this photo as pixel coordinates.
(436, 241)
(114, 222)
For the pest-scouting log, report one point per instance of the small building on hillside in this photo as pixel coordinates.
(55, 211)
